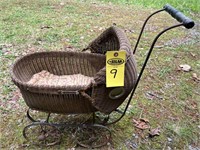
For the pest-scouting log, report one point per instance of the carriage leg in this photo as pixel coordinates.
(33, 120)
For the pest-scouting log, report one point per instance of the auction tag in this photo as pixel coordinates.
(115, 63)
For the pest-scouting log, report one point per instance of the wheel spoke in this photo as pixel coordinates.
(40, 133)
(92, 136)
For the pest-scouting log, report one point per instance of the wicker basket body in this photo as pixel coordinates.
(75, 99)
(56, 99)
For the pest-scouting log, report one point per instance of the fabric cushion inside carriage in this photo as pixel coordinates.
(74, 82)
(45, 78)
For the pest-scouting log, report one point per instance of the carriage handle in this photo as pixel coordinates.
(180, 17)
(187, 22)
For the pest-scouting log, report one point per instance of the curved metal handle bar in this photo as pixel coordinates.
(138, 40)
(142, 70)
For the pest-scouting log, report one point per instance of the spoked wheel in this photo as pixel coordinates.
(41, 133)
(92, 136)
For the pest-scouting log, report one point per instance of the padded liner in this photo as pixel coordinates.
(45, 78)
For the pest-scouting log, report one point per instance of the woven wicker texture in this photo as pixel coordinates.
(45, 78)
(64, 98)
(112, 39)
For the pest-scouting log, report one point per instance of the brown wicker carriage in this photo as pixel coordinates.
(76, 98)
(78, 84)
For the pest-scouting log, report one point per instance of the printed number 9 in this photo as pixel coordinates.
(114, 71)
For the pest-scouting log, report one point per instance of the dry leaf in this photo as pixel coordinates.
(185, 67)
(195, 77)
(144, 119)
(194, 105)
(192, 54)
(154, 132)
(45, 27)
(142, 123)
(135, 121)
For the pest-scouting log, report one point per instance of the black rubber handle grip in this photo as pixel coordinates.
(187, 22)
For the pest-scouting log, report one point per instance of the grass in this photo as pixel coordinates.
(185, 6)
(29, 26)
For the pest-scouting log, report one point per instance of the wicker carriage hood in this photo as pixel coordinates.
(112, 39)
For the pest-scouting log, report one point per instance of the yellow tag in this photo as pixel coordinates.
(115, 62)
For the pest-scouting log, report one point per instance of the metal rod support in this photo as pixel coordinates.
(138, 40)
(142, 70)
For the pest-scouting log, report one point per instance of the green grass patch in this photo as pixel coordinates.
(185, 6)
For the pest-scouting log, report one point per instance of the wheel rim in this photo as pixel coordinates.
(42, 134)
(92, 136)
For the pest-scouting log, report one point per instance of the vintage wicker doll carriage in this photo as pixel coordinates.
(75, 82)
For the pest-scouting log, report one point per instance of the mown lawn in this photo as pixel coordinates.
(167, 97)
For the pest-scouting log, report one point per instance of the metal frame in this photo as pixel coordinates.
(42, 124)
(145, 62)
